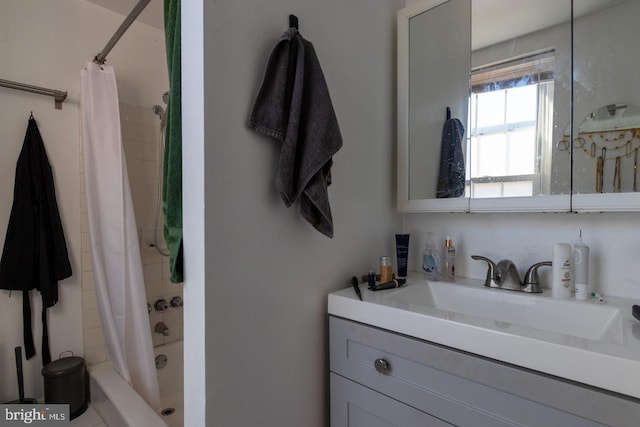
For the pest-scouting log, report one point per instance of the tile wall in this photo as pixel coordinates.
(141, 141)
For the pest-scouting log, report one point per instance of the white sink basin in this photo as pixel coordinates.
(506, 308)
(595, 344)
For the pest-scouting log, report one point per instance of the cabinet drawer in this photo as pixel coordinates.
(353, 405)
(434, 379)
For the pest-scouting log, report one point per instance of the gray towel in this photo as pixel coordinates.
(452, 172)
(293, 106)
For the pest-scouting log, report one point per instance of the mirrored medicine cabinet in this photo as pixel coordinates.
(498, 111)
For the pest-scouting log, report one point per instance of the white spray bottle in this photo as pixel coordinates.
(581, 269)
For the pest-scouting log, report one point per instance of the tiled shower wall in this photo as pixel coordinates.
(141, 141)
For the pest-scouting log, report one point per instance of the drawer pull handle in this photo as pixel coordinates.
(382, 366)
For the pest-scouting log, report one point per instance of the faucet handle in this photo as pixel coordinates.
(162, 329)
(490, 281)
(531, 281)
(161, 305)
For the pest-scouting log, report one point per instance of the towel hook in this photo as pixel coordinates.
(293, 22)
(448, 113)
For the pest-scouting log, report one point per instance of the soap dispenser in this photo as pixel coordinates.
(430, 259)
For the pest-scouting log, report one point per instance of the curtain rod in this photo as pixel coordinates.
(58, 95)
(102, 56)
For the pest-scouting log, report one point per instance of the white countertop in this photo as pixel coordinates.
(612, 363)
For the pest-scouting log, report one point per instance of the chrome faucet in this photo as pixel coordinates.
(504, 275)
(161, 328)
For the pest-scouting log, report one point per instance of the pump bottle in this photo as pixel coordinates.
(430, 259)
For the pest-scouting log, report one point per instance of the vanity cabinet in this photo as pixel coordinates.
(355, 405)
(380, 378)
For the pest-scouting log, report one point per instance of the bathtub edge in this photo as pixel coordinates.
(128, 406)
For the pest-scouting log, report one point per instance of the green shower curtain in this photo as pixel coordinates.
(172, 176)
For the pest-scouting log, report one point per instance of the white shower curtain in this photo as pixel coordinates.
(117, 266)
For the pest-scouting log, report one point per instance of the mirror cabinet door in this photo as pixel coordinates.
(537, 123)
(508, 84)
(520, 94)
(606, 127)
(434, 44)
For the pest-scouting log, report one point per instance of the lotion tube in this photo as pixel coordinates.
(561, 265)
(402, 253)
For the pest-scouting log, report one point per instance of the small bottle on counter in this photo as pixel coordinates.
(386, 269)
(448, 260)
(371, 278)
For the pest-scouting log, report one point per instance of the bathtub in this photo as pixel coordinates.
(120, 406)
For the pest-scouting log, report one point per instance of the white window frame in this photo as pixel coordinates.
(537, 68)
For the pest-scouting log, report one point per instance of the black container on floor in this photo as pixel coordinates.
(65, 382)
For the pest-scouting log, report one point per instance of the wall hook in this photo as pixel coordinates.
(293, 22)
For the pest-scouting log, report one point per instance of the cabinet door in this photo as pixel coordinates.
(353, 405)
(465, 390)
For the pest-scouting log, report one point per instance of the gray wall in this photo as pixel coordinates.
(267, 272)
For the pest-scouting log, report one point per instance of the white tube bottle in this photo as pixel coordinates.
(581, 269)
(561, 266)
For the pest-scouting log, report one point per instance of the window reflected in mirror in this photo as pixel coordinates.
(510, 127)
(520, 90)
